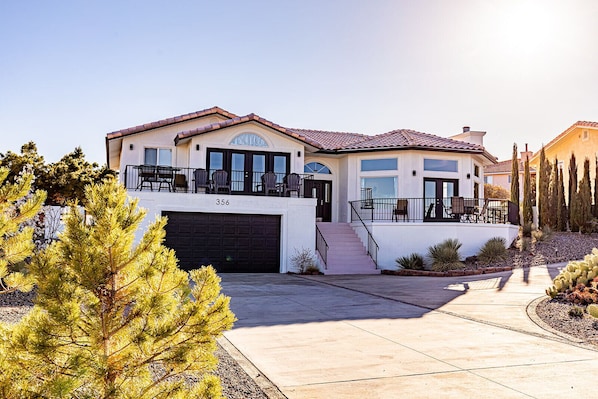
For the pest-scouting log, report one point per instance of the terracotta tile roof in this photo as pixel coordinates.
(331, 140)
(169, 121)
(404, 138)
(593, 125)
(505, 167)
(244, 119)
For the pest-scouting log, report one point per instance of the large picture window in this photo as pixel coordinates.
(158, 156)
(440, 165)
(368, 165)
(382, 187)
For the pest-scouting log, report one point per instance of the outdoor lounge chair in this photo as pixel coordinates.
(292, 183)
(400, 210)
(269, 183)
(220, 180)
(200, 177)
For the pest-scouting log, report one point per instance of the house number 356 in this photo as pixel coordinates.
(222, 202)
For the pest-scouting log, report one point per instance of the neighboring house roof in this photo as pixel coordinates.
(503, 167)
(169, 121)
(592, 125)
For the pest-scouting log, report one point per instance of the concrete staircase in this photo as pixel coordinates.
(346, 253)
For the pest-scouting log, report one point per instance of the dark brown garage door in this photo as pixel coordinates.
(232, 243)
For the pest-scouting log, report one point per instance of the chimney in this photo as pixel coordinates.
(470, 136)
(526, 154)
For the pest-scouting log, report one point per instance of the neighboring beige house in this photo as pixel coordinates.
(499, 174)
(226, 183)
(580, 139)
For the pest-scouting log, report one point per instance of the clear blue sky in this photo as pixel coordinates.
(73, 71)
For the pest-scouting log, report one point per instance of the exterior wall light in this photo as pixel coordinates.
(131, 147)
(414, 173)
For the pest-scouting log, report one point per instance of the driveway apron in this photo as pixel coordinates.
(380, 336)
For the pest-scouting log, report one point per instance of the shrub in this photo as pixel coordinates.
(526, 230)
(493, 250)
(576, 311)
(413, 262)
(542, 235)
(445, 256)
(524, 244)
(592, 309)
(303, 260)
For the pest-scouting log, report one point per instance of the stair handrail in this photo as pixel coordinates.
(322, 246)
(372, 244)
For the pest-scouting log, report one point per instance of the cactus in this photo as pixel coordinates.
(593, 310)
(576, 272)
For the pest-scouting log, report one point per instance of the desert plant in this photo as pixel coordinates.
(312, 269)
(412, 262)
(542, 235)
(576, 311)
(493, 250)
(303, 260)
(576, 272)
(592, 309)
(445, 256)
(524, 244)
(526, 230)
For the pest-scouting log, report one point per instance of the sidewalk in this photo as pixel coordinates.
(382, 336)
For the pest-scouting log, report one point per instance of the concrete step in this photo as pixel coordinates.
(346, 253)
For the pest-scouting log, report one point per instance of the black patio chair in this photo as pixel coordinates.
(200, 177)
(165, 176)
(292, 183)
(400, 210)
(220, 180)
(269, 183)
(147, 175)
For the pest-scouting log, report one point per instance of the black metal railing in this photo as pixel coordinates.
(177, 179)
(322, 247)
(453, 209)
(372, 247)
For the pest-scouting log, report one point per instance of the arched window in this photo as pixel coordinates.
(316, 167)
(249, 139)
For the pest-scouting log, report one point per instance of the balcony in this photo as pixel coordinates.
(418, 210)
(183, 180)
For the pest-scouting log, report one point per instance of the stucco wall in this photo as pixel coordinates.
(402, 239)
(297, 214)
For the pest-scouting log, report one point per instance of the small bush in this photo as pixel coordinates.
(303, 260)
(524, 244)
(576, 311)
(526, 230)
(445, 256)
(542, 235)
(494, 250)
(412, 262)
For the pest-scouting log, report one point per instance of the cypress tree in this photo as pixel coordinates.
(544, 191)
(554, 194)
(527, 195)
(572, 189)
(562, 207)
(585, 199)
(515, 179)
(113, 319)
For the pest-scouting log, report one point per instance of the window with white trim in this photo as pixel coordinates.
(158, 156)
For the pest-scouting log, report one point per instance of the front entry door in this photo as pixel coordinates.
(436, 194)
(322, 190)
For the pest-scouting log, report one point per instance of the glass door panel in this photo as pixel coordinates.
(259, 168)
(237, 174)
(437, 196)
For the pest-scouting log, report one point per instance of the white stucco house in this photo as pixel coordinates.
(393, 194)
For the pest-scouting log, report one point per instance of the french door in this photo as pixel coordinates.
(437, 194)
(245, 168)
(322, 190)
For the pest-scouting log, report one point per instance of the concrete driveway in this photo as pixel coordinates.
(415, 337)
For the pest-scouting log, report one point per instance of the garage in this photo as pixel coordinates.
(232, 243)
